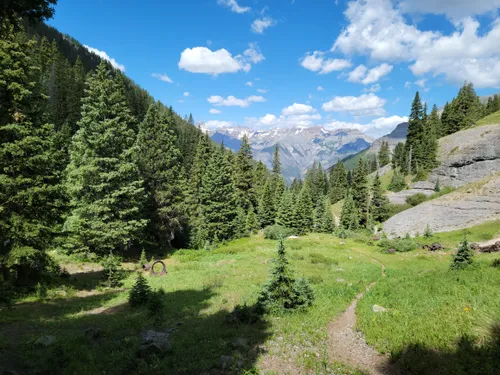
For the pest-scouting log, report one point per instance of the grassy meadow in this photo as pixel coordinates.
(433, 314)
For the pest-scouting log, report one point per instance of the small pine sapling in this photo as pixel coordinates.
(143, 259)
(437, 187)
(112, 273)
(428, 233)
(140, 292)
(464, 256)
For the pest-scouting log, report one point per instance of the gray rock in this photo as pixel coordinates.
(45, 341)
(377, 309)
(153, 343)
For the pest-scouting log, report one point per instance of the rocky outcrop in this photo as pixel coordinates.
(468, 156)
(424, 187)
(469, 206)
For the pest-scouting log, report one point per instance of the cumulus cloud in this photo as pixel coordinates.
(262, 91)
(214, 111)
(364, 105)
(455, 9)
(297, 109)
(421, 82)
(105, 56)
(272, 121)
(232, 101)
(234, 6)
(317, 62)
(204, 60)
(320, 88)
(249, 84)
(162, 77)
(378, 29)
(368, 76)
(215, 124)
(260, 25)
(373, 88)
(186, 94)
(376, 128)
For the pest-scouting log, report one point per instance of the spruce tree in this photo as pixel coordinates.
(200, 163)
(399, 156)
(244, 175)
(103, 181)
(159, 161)
(349, 218)
(445, 120)
(415, 135)
(260, 176)
(30, 191)
(252, 225)
(267, 207)
(240, 224)
(276, 161)
(338, 182)
(379, 205)
(319, 213)
(327, 221)
(384, 155)
(285, 216)
(464, 256)
(398, 182)
(304, 212)
(360, 192)
(219, 201)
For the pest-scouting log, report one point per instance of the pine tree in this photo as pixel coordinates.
(349, 218)
(244, 175)
(445, 120)
(200, 163)
(102, 179)
(435, 122)
(464, 256)
(260, 176)
(327, 221)
(267, 208)
(398, 182)
(218, 198)
(276, 161)
(304, 212)
(252, 224)
(415, 134)
(360, 192)
(399, 156)
(159, 162)
(338, 182)
(319, 213)
(240, 224)
(379, 205)
(30, 191)
(279, 190)
(285, 216)
(384, 155)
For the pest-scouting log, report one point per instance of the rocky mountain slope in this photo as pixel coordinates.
(299, 146)
(470, 161)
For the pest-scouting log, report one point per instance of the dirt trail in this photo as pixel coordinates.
(348, 346)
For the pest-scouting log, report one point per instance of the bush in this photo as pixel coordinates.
(283, 293)
(140, 292)
(112, 273)
(275, 232)
(496, 263)
(416, 199)
(395, 209)
(401, 245)
(464, 256)
(428, 232)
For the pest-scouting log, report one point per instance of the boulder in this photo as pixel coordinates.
(45, 341)
(436, 246)
(153, 343)
(494, 248)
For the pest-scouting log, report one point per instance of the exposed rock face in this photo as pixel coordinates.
(464, 208)
(468, 156)
(423, 187)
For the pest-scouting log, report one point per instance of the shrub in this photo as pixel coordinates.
(41, 291)
(395, 209)
(284, 293)
(401, 245)
(112, 273)
(143, 259)
(496, 263)
(416, 199)
(464, 256)
(140, 292)
(275, 232)
(341, 233)
(428, 232)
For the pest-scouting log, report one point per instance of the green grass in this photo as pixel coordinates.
(494, 118)
(201, 288)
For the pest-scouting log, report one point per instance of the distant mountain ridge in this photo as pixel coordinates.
(299, 146)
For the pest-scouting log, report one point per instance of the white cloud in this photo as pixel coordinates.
(364, 105)
(320, 88)
(232, 101)
(455, 9)
(379, 30)
(259, 25)
(376, 128)
(421, 82)
(215, 124)
(180, 101)
(249, 84)
(297, 109)
(253, 53)
(214, 111)
(367, 76)
(272, 121)
(233, 4)
(373, 88)
(105, 56)
(186, 94)
(203, 60)
(407, 85)
(262, 91)
(162, 77)
(316, 62)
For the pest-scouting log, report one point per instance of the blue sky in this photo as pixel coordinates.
(268, 63)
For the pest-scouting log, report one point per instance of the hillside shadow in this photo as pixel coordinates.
(466, 358)
(202, 341)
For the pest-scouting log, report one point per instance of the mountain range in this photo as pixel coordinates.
(299, 146)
